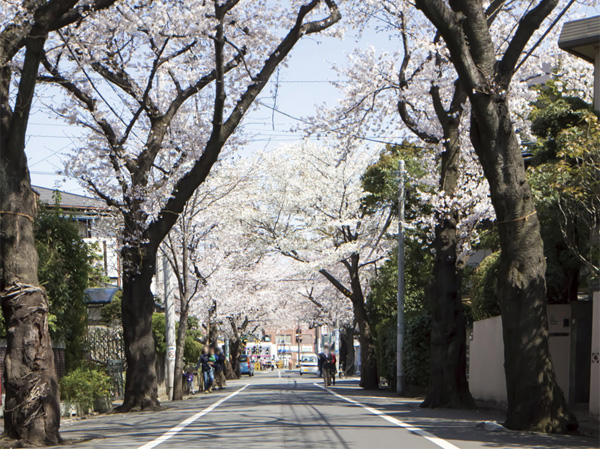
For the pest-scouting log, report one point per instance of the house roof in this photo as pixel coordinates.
(99, 295)
(105, 295)
(581, 37)
(68, 200)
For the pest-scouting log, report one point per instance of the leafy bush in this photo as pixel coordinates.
(417, 350)
(192, 347)
(84, 385)
(66, 266)
(111, 312)
(484, 301)
(159, 332)
(385, 349)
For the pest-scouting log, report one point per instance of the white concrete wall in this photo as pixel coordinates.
(486, 361)
(486, 355)
(595, 366)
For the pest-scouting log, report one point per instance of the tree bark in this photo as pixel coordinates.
(235, 344)
(179, 349)
(347, 349)
(32, 410)
(369, 378)
(141, 392)
(449, 386)
(535, 401)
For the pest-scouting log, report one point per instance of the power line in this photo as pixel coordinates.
(369, 139)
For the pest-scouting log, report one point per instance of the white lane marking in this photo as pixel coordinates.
(279, 374)
(182, 425)
(435, 440)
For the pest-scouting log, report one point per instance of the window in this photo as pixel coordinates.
(284, 339)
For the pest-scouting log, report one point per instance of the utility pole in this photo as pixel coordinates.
(170, 325)
(337, 345)
(299, 341)
(400, 327)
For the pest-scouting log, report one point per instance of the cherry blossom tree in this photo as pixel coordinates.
(308, 207)
(162, 88)
(31, 410)
(486, 67)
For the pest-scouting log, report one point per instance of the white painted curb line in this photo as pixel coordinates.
(423, 433)
(182, 425)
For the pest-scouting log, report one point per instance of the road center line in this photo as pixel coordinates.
(423, 433)
(182, 425)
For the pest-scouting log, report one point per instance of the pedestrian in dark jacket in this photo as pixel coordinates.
(320, 362)
(329, 366)
(220, 379)
(207, 369)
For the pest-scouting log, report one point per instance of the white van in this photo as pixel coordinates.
(309, 364)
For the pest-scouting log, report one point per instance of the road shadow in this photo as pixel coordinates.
(459, 425)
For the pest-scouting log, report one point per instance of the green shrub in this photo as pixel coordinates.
(84, 385)
(385, 349)
(417, 352)
(192, 349)
(159, 332)
(111, 312)
(484, 301)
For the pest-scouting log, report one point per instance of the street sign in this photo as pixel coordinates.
(170, 352)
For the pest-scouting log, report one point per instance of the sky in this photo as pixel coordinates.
(302, 85)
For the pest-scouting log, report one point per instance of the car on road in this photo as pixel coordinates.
(246, 366)
(309, 364)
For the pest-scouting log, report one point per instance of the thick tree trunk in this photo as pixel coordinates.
(449, 386)
(179, 349)
(347, 349)
(141, 391)
(369, 377)
(535, 401)
(32, 411)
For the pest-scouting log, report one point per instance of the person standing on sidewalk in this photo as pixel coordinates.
(321, 363)
(326, 366)
(332, 365)
(189, 377)
(220, 378)
(207, 369)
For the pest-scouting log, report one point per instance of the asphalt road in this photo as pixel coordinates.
(285, 410)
